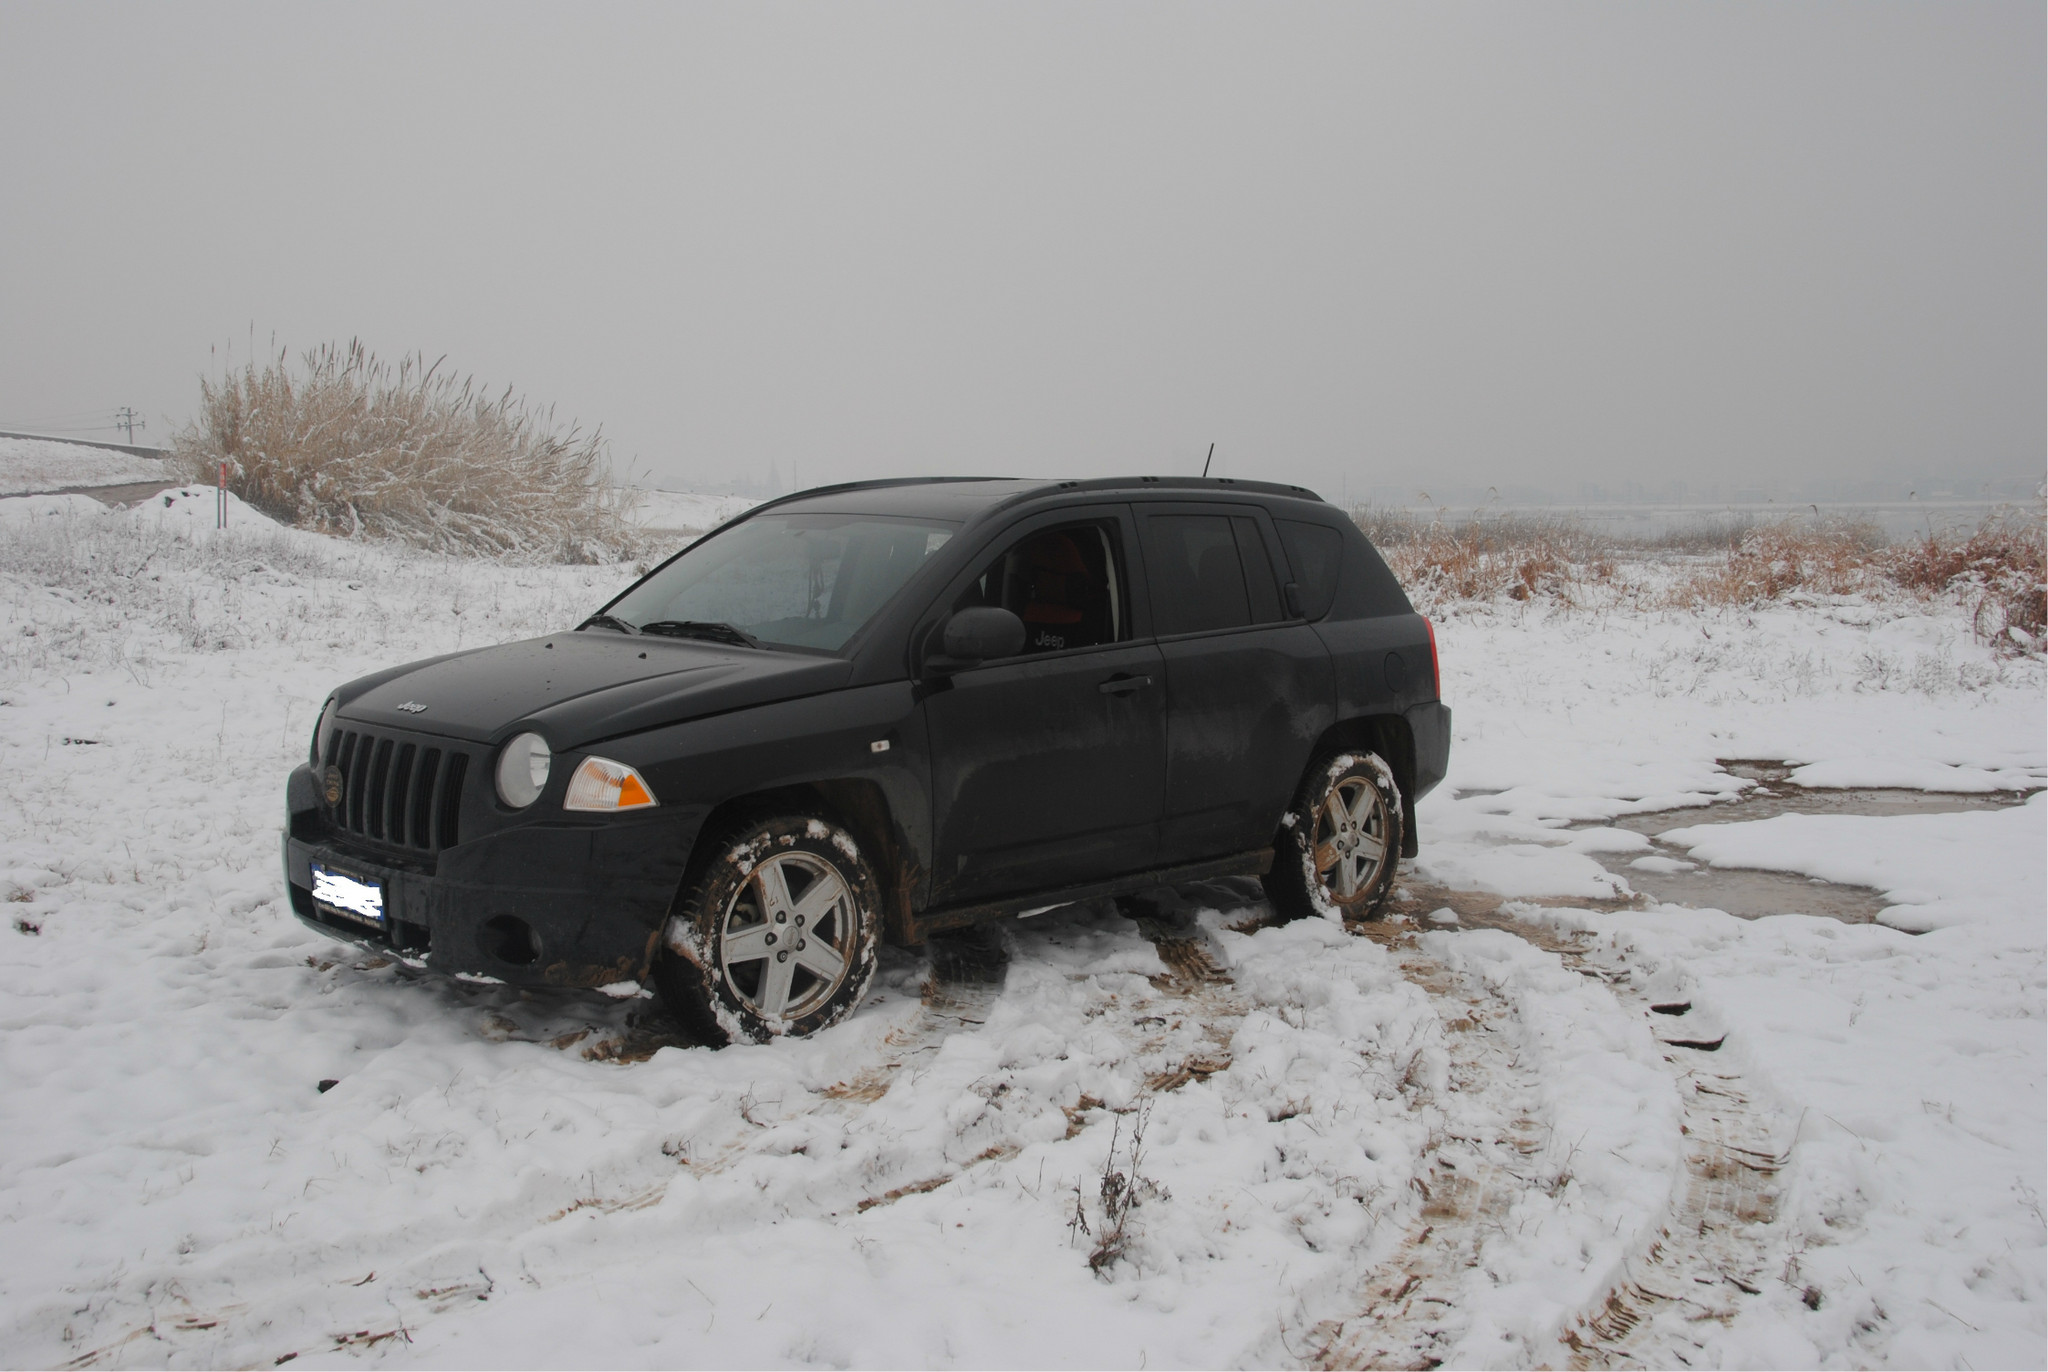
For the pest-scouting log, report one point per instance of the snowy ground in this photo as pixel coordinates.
(1474, 1134)
(37, 464)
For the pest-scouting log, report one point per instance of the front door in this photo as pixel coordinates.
(1048, 768)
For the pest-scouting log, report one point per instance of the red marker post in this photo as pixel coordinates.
(220, 502)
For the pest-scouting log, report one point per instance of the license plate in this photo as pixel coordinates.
(348, 897)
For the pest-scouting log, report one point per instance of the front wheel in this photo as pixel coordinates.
(1340, 845)
(775, 936)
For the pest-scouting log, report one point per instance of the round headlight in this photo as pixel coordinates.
(322, 732)
(523, 770)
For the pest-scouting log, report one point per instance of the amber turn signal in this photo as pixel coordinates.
(605, 786)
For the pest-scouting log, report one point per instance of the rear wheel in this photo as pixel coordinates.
(1340, 845)
(775, 935)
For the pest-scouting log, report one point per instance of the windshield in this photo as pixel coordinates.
(790, 580)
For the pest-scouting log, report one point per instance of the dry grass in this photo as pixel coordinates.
(1820, 557)
(350, 445)
(1521, 557)
(1997, 570)
(2002, 566)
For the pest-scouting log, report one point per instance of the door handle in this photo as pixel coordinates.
(1124, 685)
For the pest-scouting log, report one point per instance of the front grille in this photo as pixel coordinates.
(404, 792)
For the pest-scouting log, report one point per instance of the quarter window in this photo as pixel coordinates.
(1065, 583)
(1314, 552)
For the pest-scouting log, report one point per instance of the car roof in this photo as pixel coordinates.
(966, 498)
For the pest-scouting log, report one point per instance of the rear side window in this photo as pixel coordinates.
(1258, 570)
(1314, 551)
(1208, 572)
(1197, 575)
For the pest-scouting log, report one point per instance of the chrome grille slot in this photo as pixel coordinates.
(400, 792)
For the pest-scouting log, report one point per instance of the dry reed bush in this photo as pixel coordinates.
(1998, 569)
(1735, 559)
(2001, 566)
(349, 445)
(1517, 556)
(1822, 557)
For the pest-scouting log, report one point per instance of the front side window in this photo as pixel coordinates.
(789, 580)
(1064, 583)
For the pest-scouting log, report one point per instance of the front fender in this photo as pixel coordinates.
(874, 734)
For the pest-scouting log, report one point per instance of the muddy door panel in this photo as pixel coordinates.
(1244, 709)
(1047, 772)
(1248, 686)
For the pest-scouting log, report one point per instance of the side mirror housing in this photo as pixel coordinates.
(977, 634)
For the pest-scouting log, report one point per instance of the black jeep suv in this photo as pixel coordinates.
(878, 711)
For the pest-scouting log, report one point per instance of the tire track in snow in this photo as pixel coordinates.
(1714, 1250)
(1720, 1243)
(1209, 994)
(1411, 1308)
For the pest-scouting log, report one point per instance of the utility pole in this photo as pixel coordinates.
(124, 418)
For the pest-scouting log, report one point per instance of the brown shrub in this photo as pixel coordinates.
(2001, 563)
(1734, 560)
(351, 446)
(1823, 557)
(1519, 556)
(1999, 567)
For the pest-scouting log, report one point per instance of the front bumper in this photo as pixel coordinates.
(549, 902)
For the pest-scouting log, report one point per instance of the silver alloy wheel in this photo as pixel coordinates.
(786, 937)
(1350, 839)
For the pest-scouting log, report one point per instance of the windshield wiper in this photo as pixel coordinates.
(716, 630)
(607, 622)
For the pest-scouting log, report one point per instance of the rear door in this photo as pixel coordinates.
(1248, 687)
(1048, 768)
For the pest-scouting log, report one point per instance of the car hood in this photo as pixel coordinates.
(578, 688)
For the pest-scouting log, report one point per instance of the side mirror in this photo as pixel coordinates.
(1292, 591)
(976, 634)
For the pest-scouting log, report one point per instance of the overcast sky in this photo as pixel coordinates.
(1351, 245)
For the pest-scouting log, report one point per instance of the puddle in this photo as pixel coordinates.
(1753, 894)
(1774, 794)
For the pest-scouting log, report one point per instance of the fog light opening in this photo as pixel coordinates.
(509, 938)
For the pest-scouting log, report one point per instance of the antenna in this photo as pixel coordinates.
(1209, 459)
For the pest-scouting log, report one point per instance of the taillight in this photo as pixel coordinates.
(1436, 681)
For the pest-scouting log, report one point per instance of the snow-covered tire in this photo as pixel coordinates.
(774, 935)
(1340, 845)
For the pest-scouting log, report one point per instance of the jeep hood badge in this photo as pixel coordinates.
(412, 707)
